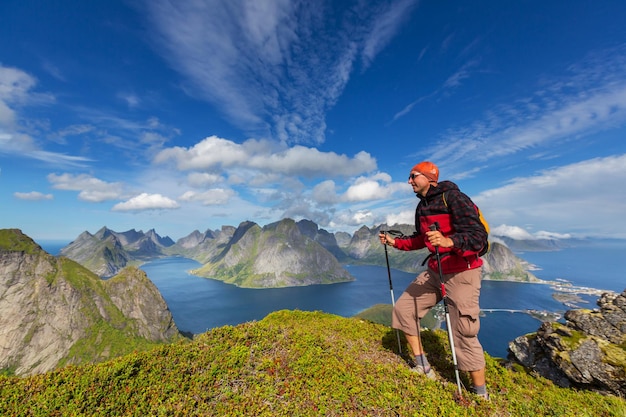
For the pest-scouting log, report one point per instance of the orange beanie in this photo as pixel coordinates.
(428, 169)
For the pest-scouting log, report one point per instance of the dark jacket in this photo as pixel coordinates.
(458, 219)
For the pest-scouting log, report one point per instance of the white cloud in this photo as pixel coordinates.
(403, 217)
(375, 187)
(75, 130)
(600, 110)
(15, 93)
(91, 189)
(513, 232)
(14, 90)
(309, 162)
(325, 193)
(132, 100)
(215, 153)
(7, 115)
(590, 99)
(15, 85)
(279, 58)
(216, 196)
(59, 159)
(518, 233)
(145, 201)
(569, 198)
(153, 139)
(542, 234)
(365, 190)
(211, 153)
(356, 218)
(15, 143)
(455, 80)
(33, 196)
(203, 179)
(363, 217)
(385, 27)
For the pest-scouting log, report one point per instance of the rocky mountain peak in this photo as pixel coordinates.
(308, 228)
(586, 352)
(103, 233)
(363, 231)
(277, 255)
(241, 230)
(158, 240)
(193, 239)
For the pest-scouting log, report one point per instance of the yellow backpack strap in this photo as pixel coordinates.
(443, 196)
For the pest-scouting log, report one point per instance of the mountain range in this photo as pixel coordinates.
(281, 254)
(106, 251)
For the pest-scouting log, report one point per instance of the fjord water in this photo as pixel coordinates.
(595, 265)
(198, 304)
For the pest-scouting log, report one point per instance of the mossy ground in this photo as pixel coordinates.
(291, 363)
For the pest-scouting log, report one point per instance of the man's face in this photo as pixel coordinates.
(419, 183)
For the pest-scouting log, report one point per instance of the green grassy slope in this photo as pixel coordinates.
(13, 240)
(291, 363)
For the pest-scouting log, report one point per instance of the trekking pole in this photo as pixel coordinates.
(393, 298)
(444, 296)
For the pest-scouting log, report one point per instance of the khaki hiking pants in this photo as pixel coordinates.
(463, 290)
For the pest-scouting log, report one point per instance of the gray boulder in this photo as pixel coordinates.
(586, 352)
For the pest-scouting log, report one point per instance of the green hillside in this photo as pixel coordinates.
(291, 363)
(12, 240)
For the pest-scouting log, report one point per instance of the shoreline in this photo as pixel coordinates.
(565, 293)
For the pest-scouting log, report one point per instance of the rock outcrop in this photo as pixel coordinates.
(588, 351)
(55, 312)
(501, 264)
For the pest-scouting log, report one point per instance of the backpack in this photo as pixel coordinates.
(487, 247)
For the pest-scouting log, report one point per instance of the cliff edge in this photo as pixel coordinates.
(55, 312)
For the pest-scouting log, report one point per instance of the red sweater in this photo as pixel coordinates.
(458, 220)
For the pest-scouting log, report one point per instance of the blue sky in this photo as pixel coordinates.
(177, 116)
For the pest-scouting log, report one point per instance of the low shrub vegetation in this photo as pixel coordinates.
(291, 363)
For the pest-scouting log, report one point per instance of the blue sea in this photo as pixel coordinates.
(198, 304)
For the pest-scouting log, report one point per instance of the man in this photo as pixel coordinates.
(460, 237)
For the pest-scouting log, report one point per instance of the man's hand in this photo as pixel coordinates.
(437, 239)
(385, 239)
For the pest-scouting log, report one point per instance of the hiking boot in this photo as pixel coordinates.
(431, 374)
(484, 397)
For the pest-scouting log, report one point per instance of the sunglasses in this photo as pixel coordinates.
(413, 176)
